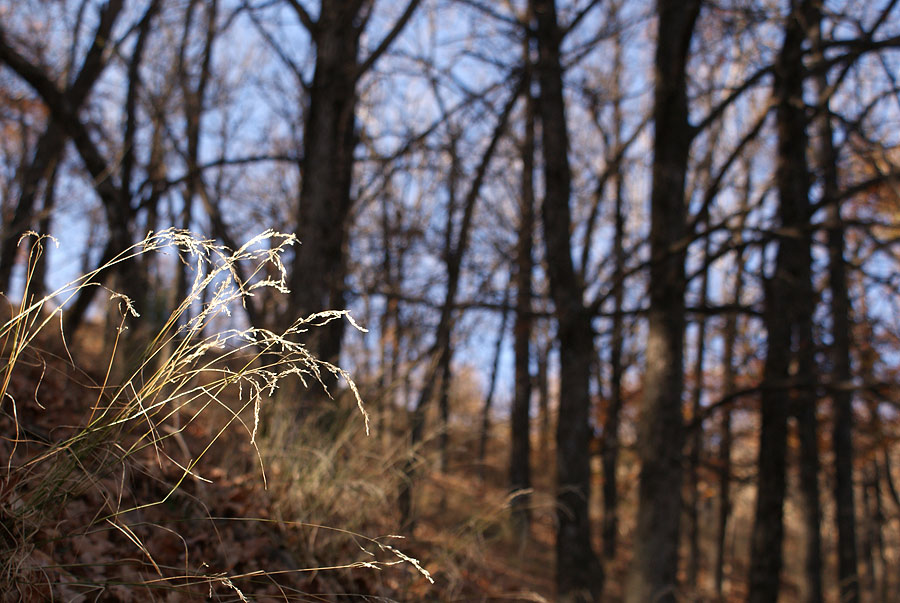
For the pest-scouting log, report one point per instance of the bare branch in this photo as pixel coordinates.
(311, 26)
(388, 39)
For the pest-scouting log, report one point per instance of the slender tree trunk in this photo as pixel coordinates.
(842, 428)
(520, 420)
(39, 285)
(878, 519)
(492, 388)
(388, 324)
(446, 378)
(441, 349)
(654, 568)
(194, 102)
(725, 444)
(43, 164)
(729, 343)
(867, 537)
(446, 356)
(610, 455)
(610, 460)
(578, 571)
(696, 443)
(543, 390)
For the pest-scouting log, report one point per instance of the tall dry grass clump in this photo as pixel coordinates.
(106, 505)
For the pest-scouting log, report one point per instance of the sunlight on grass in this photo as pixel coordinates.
(67, 492)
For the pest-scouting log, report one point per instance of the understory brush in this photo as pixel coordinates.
(147, 480)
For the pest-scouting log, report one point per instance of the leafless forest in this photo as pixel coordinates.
(450, 300)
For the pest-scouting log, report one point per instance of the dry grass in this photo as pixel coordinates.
(105, 502)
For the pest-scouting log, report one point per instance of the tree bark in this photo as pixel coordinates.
(326, 168)
(39, 286)
(579, 575)
(610, 454)
(329, 139)
(729, 336)
(520, 420)
(194, 99)
(878, 519)
(653, 572)
(842, 399)
(492, 388)
(696, 441)
(543, 395)
(787, 299)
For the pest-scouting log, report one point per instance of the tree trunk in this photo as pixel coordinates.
(842, 398)
(492, 388)
(39, 286)
(43, 164)
(578, 572)
(51, 143)
(729, 343)
(520, 420)
(660, 429)
(543, 394)
(610, 454)
(454, 255)
(329, 139)
(877, 513)
(867, 537)
(787, 296)
(807, 428)
(194, 95)
(696, 442)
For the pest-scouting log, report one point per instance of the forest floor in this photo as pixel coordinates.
(317, 527)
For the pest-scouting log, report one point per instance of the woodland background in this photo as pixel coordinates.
(628, 270)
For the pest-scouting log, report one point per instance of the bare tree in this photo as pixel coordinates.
(661, 433)
(329, 140)
(50, 145)
(579, 575)
(788, 300)
(520, 419)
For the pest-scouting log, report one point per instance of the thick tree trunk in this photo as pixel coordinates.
(660, 429)
(329, 139)
(768, 528)
(578, 571)
(788, 297)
